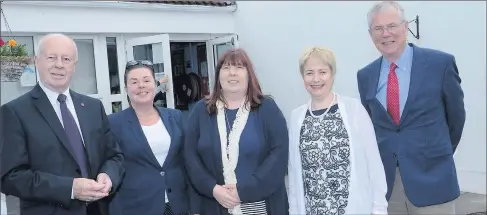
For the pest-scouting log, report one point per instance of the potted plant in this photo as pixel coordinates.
(13, 60)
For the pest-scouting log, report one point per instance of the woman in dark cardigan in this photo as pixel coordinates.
(236, 144)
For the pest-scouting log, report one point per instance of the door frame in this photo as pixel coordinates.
(162, 42)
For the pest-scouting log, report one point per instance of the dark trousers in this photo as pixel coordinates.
(13, 207)
(93, 209)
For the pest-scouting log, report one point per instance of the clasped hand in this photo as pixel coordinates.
(227, 195)
(90, 190)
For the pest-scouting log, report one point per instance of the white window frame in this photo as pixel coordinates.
(121, 61)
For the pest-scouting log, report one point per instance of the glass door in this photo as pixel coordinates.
(157, 50)
(215, 48)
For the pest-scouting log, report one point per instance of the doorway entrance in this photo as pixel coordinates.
(188, 65)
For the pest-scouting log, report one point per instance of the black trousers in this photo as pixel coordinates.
(93, 209)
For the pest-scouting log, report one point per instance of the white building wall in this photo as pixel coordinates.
(275, 33)
(115, 17)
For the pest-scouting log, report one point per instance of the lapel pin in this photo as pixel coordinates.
(82, 104)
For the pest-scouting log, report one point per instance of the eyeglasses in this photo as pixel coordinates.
(64, 60)
(391, 28)
(133, 63)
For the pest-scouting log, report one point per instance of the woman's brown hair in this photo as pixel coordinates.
(235, 57)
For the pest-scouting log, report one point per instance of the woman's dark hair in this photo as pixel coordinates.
(235, 57)
(135, 64)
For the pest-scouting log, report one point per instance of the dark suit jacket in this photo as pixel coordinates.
(205, 166)
(429, 130)
(142, 189)
(37, 164)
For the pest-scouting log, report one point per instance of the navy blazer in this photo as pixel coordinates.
(205, 168)
(142, 189)
(429, 130)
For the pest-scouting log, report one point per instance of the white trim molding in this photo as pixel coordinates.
(126, 5)
(94, 17)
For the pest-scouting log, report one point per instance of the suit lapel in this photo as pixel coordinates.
(83, 118)
(376, 68)
(167, 119)
(140, 136)
(215, 139)
(44, 106)
(418, 70)
(374, 79)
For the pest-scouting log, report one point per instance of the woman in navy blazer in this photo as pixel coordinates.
(236, 144)
(151, 139)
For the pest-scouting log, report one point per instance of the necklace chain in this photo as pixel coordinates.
(326, 111)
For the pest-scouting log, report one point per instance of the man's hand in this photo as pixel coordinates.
(232, 189)
(104, 179)
(88, 190)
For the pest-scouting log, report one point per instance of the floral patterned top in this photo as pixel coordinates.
(325, 154)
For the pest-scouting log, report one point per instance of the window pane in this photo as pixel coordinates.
(84, 78)
(220, 49)
(113, 65)
(143, 52)
(12, 90)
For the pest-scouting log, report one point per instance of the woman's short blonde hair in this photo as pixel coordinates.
(324, 54)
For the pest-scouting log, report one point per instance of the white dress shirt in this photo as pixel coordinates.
(52, 96)
(368, 186)
(159, 141)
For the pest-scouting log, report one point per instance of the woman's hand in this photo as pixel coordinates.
(232, 189)
(164, 79)
(223, 196)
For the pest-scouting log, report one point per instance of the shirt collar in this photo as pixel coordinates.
(51, 95)
(403, 61)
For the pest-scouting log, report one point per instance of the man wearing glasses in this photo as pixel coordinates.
(414, 98)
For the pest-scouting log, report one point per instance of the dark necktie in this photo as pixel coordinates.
(393, 95)
(74, 135)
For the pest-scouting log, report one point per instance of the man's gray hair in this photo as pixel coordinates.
(381, 6)
(40, 45)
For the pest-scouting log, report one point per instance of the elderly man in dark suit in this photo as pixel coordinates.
(58, 153)
(415, 100)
